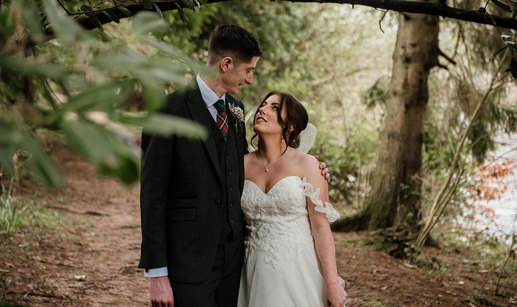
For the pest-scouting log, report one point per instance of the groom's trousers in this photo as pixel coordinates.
(221, 287)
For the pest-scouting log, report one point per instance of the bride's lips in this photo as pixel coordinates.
(261, 119)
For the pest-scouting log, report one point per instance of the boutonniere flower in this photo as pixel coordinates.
(238, 113)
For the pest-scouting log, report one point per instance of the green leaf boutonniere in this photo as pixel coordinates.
(238, 113)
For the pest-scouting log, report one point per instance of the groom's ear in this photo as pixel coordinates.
(226, 64)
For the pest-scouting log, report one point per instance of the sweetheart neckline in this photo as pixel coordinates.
(276, 183)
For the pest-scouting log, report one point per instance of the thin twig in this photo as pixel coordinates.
(63, 6)
(510, 253)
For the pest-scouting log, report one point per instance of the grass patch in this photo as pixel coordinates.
(18, 212)
(478, 298)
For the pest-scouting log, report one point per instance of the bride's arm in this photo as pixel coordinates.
(323, 240)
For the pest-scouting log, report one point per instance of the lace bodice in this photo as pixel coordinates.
(277, 221)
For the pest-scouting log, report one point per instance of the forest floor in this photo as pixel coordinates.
(88, 256)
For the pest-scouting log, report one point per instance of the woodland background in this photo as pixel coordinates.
(410, 110)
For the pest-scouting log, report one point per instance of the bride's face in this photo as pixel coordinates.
(266, 119)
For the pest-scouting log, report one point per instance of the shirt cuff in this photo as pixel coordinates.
(159, 272)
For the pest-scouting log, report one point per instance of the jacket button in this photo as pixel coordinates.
(231, 221)
(218, 202)
(231, 204)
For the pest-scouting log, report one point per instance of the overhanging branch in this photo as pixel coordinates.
(88, 22)
(431, 8)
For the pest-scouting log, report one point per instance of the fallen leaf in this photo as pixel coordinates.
(407, 265)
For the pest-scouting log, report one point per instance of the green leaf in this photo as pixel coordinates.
(166, 125)
(155, 69)
(111, 16)
(195, 65)
(7, 25)
(513, 68)
(64, 27)
(10, 139)
(40, 164)
(162, 70)
(129, 60)
(182, 14)
(147, 22)
(31, 17)
(125, 11)
(189, 3)
(166, 49)
(109, 152)
(29, 68)
(157, 9)
(153, 95)
(502, 5)
(104, 97)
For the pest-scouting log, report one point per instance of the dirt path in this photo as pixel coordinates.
(91, 259)
(99, 240)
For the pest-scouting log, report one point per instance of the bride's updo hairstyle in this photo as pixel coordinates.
(296, 116)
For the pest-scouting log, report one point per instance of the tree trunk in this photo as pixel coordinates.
(394, 200)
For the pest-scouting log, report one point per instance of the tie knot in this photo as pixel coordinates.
(219, 105)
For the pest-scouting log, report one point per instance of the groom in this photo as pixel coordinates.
(192, 227)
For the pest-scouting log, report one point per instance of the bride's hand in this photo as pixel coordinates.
(336, 295)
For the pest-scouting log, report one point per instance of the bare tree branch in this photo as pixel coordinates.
(436, 8)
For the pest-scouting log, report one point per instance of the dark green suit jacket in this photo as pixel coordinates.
(181, 192)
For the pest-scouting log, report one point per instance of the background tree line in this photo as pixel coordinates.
(390, 101)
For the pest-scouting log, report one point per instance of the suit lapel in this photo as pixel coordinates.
(199, 113)
(236, 130)
(232, 120)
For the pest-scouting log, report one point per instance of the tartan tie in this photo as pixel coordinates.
(222, 118)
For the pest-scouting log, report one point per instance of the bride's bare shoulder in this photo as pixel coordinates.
(304, 160)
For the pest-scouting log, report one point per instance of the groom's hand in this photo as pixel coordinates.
(160, 292)
(324, 170)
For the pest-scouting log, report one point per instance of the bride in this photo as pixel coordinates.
(289, 249)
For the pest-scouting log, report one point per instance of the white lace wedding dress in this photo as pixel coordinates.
(280, 265)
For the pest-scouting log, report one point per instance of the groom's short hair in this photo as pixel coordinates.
(233, 41)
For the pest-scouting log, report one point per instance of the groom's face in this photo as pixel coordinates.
(236, 75)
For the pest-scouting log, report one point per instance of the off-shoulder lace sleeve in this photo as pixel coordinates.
(328, 209)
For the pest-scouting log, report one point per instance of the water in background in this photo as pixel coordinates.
(501, 225)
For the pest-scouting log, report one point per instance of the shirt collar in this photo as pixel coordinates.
(208, 95)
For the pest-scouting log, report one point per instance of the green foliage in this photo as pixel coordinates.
(81, 84)
(376, 94)
(345, 159)
(17, 212)
(478, 298)
(495, 116)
